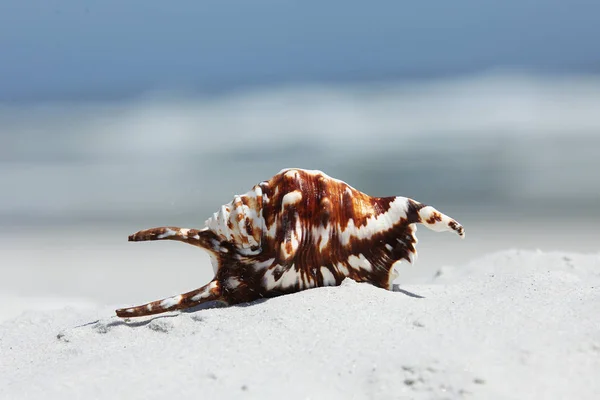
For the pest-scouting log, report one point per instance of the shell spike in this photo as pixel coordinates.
(209, 292)
(192, 236)
(438, 222)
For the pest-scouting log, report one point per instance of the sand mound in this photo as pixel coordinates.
(512, 325)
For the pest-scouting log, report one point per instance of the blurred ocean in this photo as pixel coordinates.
(513, 156)
(502, 142)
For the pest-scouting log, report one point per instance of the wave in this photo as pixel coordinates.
(496, 138)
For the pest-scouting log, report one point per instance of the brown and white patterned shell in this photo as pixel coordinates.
(299, 230)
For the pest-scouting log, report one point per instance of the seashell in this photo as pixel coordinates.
(299, 230)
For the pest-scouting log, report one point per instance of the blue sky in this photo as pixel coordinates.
(52, 48)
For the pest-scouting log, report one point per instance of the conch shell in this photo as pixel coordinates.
(299, 230)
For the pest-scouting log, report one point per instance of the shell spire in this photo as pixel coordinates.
(299, 230)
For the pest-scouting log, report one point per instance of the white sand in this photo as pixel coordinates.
(513, 325)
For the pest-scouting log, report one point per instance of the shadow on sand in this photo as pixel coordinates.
(102, 327)
(396, 288)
